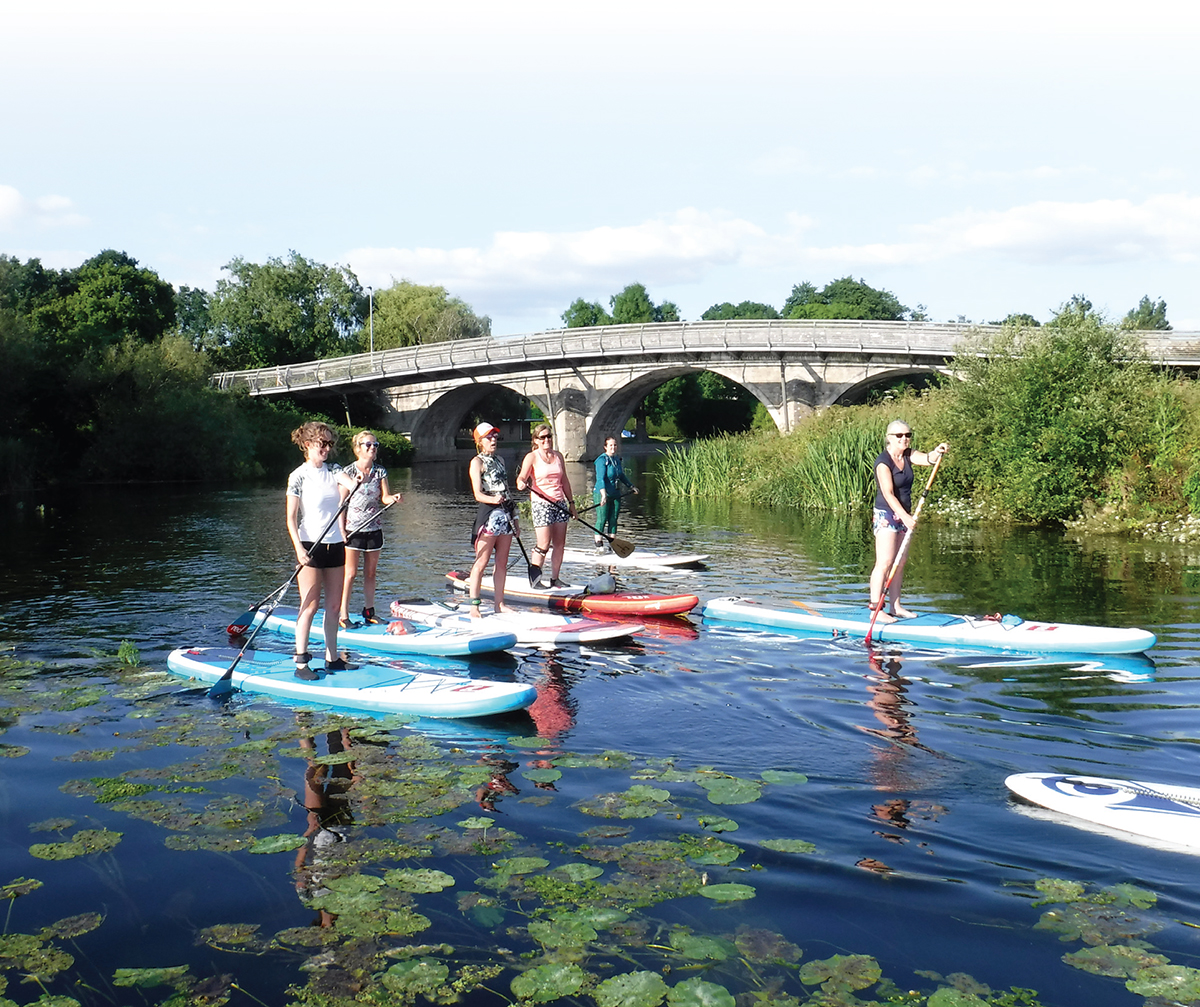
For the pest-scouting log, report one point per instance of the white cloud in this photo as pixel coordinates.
(684, 248)
(680, 248)
(44, 211)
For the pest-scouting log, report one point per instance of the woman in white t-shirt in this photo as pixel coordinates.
(315, 493)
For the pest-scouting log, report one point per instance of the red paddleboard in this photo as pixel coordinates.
(576, 599)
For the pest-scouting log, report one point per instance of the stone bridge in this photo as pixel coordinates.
(589, 381)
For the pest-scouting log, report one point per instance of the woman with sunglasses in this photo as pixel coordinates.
(495, 521)
(315, 492)
(893, 512)
(365, 524)
(546, 471)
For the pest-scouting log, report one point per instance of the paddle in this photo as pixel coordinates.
(903, 550)
(621, 547)
(224, 685)
(535, 572)
(593, 506)
(244, 621)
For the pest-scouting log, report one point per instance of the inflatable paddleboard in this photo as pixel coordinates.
(530, 627)
(638, 560)
(401, 637)
(386, 687)
(1009, 632)
(577, 599)
(1156, 811)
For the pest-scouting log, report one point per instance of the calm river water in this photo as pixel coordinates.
(644, 834)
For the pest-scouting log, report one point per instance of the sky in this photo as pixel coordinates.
(977, 159)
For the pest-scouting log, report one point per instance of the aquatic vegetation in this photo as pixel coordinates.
(83, 842)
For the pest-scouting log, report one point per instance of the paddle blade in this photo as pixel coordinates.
(221, 688)
(239, 625)
(535, 574)
(621, 547)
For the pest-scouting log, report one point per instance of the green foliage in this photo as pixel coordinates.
(702, 405)
(633, 305)
(747, 309)
(1052, 416)
(410, 314)
(583, 314)
(1147, 315)
(105, 300)
(844, 298)
(282, 312)
(1020, 319)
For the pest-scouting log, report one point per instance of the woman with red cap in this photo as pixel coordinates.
(496, 519)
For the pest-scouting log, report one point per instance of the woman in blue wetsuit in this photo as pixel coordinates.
(893, 512)
(610, 474)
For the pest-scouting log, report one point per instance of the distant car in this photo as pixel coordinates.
(627, 434)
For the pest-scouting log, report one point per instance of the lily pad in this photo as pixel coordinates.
(420, 880)
(847, 972)
(478, 822)
(948, 996)
(783, 776)
(1171, 982)
(520, 865)
(789, 845)
(732, 790)
(18, 887)
(1113, 960)
(542, 775)
(544, 983)
(562, 932)
(697, 992)
(700, 947)
(717, 823)
(421, 975)
(578, 873)
(1057, 890)
(278, 844)
(73, 926)
(149, 977)
(728, 892)
(632, 989)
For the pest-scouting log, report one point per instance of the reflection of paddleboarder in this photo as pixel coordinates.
(499, 784)
(328, 816)
(553, 711)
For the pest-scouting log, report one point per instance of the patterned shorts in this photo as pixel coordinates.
(885, 520)
(546, 513)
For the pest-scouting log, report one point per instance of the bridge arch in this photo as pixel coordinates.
(854, 393)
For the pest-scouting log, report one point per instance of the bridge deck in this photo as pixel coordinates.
(920, 342)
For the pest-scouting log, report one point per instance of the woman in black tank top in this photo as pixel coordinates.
(893, 512)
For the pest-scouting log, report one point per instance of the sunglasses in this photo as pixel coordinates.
(904, 433)
(370, 445)
(324, 444)
(543, 437)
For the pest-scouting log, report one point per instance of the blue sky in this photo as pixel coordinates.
(977, 159)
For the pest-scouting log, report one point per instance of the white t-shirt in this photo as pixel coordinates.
(320, 497)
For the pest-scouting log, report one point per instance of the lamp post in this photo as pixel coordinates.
(371, 317)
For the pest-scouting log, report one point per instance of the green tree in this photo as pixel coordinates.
(583, 314)
(844, 298)
(24, 287)
(285, 311)
(1147, 315)
(747, 309)
(194, 318)
(101, 302)
(409, 314)
(1019, 318)
(633, 305)
(1048, 418)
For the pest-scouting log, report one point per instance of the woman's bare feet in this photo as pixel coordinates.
(902, 613)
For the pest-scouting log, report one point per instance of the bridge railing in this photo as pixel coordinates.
(519, 352)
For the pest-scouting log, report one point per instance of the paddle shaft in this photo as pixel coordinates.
(615, 496)
(903, 550)
(217, 689)
(612, 539)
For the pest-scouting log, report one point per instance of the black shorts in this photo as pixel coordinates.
(327, 555)
(366, 541)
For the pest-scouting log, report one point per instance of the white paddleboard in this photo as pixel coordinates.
(637, 560)
(539, 628)
(1156, 811)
